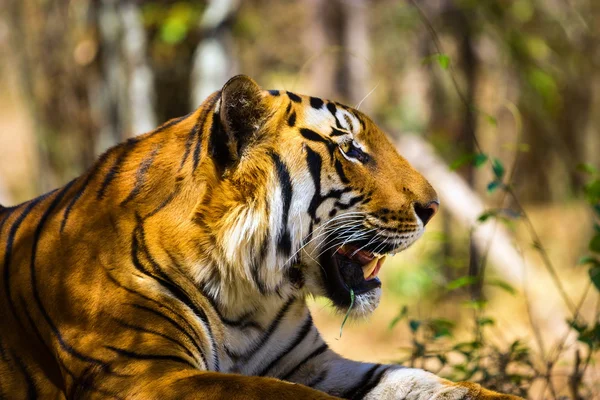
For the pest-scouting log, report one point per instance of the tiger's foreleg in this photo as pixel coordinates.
(190, 384)
(325, 370)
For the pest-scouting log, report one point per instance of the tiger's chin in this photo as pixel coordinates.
(350, 278)
(349, 274)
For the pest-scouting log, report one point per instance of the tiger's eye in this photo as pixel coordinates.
(352, 151)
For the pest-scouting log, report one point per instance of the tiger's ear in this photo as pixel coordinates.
(242, 112)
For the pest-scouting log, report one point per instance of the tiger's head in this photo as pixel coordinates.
(307, 193)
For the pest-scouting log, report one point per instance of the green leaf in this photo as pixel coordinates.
(173, 31)
(475, 304)
(442, 59)
(442, 359)
(498, 168)
(587, 168)
(595, 276)
(486, 215)
(545, 85)
(441, 327)
(595, 244)
(579, 327)
(479, 160)
(502, 285)
(591, 336)
(485, 321)
(401, 315)
(414, 325)
(592, 191)
(462, 281)
(491, 119)
(476, 159)
(347, 312)
(493, 185)
(462, 160)
(596, 208)
(588, 260)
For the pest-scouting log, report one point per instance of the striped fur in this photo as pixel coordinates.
(178, 265)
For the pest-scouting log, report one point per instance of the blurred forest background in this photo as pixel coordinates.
(497, 102)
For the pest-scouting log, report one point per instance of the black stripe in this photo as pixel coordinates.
(292, 119)
(175, 290)
(349, 122)
(36, 331)
(267, 334)
(312, 135)
(337, 132)
(140, 176)
(365, 379)
(114, 170)
(288, 108)
(165, 202)
(316, 102)
(84, 383)
(217, 145)
(361, 392)
(83, 187)
(60, 364)
(340, 171)
(202, 120)
(188, 144)
(314, 162)
(8, 254)
(318, 351)
(274, 92)
(158, 304)
(353, 201)
(142, 329)
(333, 110)
(34, 287)
(3, 355)
(294, 97)
(242, 322)
(362, 123)
(32, 393)
(198, 147)
(304, 330)
(320, 378)
(7, 213)
(256, 266)
(164, 126)
(151, 357)
(285, 182)
(258, 263)
(177, 326)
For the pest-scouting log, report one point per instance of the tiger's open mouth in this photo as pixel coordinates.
(351, 267)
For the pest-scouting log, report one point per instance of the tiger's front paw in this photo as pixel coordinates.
(417, 384)
(476, 392)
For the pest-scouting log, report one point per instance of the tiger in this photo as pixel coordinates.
(179, 265)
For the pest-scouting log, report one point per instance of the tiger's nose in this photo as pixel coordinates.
(426, 212)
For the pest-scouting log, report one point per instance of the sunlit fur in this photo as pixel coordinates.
(178, 265)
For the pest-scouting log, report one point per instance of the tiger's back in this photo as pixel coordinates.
(62, 290)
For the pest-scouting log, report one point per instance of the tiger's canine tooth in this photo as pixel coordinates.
(370, 267)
